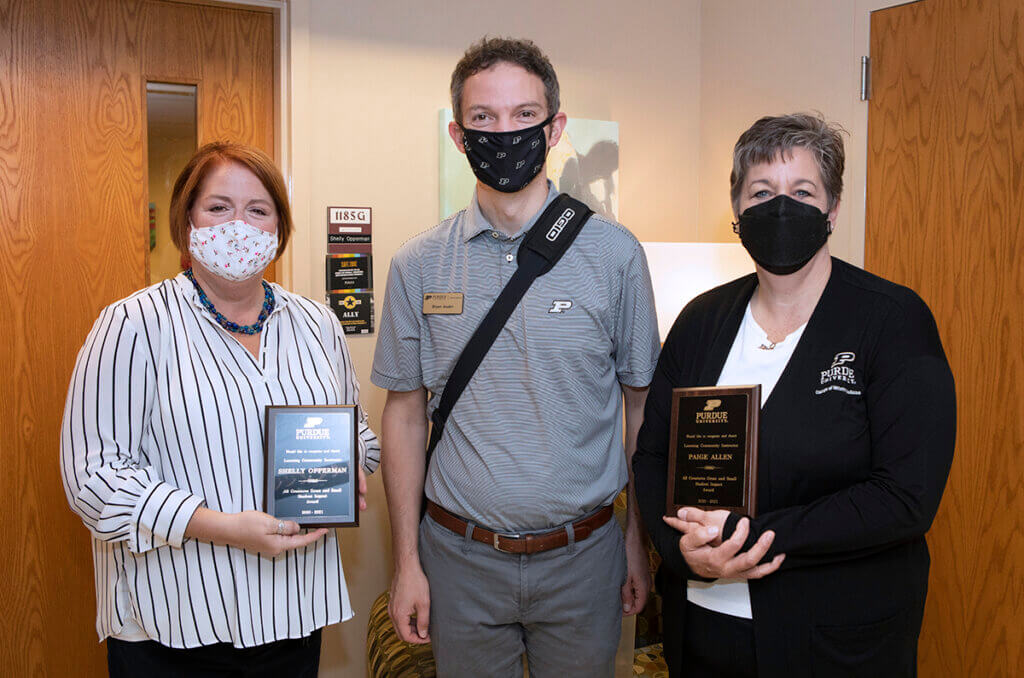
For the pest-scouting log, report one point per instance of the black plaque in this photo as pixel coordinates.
(713, 448)
(312, 459)
(349, 272)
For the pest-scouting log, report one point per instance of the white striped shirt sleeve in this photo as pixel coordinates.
(109, 484)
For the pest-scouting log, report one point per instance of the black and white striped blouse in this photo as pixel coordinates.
(164, 414)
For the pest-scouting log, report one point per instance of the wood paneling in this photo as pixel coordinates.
(230, 54)
(945, 199)
(73, 238)
(71, 193)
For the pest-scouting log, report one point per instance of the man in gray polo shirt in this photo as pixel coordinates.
(517, 554)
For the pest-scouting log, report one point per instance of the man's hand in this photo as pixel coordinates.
(403, 462)
(409, 606)
(708, 556)
(638, 573)
(638, 567)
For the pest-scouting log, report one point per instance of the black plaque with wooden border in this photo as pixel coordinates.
(712, 457)
(311, 462)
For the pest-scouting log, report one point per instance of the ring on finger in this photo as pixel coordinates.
(280, 527)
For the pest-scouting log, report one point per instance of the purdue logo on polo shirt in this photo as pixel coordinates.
(560, 305)
(840, 375)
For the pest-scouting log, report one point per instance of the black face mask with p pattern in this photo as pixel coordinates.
(506, 161)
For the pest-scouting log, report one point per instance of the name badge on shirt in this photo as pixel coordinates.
(442, 303)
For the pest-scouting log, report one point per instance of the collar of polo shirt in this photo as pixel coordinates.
(476, 223)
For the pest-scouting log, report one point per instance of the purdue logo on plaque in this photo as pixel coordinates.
(311, 472)
(712, 457)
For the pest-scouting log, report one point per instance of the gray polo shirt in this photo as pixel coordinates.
(535, 440)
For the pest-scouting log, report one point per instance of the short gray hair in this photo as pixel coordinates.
(774, 136)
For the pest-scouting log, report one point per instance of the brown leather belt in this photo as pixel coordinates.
(521, 543)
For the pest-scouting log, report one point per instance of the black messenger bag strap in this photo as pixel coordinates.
(542, 247)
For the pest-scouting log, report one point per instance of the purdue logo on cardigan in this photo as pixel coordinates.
(843, 357)
(839, 377)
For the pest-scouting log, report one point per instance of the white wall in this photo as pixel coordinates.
(767, 58)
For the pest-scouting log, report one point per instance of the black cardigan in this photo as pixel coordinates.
(852, 464)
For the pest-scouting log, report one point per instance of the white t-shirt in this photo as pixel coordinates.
(749, 362)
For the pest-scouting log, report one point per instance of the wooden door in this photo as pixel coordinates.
(73, 238)
(945, 197)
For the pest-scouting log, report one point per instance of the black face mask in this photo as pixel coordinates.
(506, 161)
(782, 234)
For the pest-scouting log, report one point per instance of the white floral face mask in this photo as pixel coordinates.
(234, 250)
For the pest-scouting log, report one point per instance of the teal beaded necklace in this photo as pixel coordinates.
(255, 328)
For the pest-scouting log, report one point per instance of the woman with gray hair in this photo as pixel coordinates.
(856, 437)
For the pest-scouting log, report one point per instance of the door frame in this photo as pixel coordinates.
(146, 79)
(857, 152)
